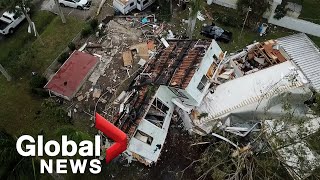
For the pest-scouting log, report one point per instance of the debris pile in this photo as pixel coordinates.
(258, 56)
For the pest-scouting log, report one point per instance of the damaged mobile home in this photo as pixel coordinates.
(175, 76)
(126, 6)
(250, 85)
(254, 85)
(207, 89)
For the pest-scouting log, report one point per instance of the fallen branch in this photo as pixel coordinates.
(200, 143)
(189, 166)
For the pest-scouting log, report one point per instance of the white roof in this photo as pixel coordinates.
(305, 54)
(248, 89)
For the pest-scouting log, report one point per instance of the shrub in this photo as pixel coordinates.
(37, 81)
(72, 46)
(40, 92)
(86, 31)
(94, 23)
(63, 57)
(164, 10)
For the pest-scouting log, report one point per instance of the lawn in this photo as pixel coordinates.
(21, 112)
(56, 37)
(310, 11)
(20, 38)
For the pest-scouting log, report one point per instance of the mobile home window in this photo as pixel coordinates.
(202, 83)
(143, 137)
(145, 2)
(215, 58)
(178, 93)
(158, 104)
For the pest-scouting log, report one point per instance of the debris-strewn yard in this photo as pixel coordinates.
(123, 86)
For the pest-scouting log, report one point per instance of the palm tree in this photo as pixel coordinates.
(12, 164)
(63, 19)
(24, 5)
(195, 7)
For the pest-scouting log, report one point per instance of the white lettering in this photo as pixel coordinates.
(31, 149)
(56, 148)
(40, 145)
(62, 166)
(65, 144)
(75, 166)
(97, 144)
(95, 166)
(43, 164)
(86, 148)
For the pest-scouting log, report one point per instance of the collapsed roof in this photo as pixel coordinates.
(257, 73)
(173, 66)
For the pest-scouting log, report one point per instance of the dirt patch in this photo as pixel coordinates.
(177, 154)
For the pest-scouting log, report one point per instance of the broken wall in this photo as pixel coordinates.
(207, 61)
(150, 151)
(268, 108)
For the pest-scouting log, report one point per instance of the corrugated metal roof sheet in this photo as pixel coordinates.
(305, 54)
(254, 87)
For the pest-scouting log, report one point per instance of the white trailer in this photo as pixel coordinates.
(126, 6)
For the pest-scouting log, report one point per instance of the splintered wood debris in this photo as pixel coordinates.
(127, 58)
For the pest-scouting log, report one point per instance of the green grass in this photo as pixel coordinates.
(248, 36)
(56, 37)
(20, 38)
(20, 112)
(310, 11)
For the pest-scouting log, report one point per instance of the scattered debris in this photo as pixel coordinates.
(96, 93)
(127, 59)
(143, 49)
(80, 98)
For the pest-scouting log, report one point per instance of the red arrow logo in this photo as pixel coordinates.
(114, 133)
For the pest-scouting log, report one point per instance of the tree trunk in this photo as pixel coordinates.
(31, 25)
(63, 19)
(191, 26)
(5, 73)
